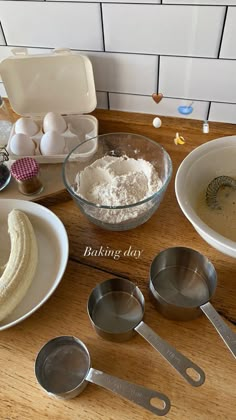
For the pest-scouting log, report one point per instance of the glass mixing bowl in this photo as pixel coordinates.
(122, 217)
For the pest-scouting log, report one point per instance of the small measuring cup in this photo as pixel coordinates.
(63, 370)
(182, 281)
(116, 310)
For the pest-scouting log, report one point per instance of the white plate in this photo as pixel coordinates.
(53, 255)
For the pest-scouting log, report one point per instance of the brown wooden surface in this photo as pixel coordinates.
(135, 360)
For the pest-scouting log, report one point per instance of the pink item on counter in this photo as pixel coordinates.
(25, 171)
(24, 168)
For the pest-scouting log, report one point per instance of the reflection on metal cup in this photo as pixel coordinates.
(116, 310)
(63, 370)
(182, 281)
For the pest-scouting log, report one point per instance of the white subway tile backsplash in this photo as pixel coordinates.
(182, 48)
(128, 73)
(202, 2)
(132, 103)
(223, 112)
(228, 49)
(102, 100)
(145, 104)
(158, 29)
(196, 78)
(49, 24)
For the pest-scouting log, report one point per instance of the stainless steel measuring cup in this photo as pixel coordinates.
(182, 281)
(63, 370)
(116, 310)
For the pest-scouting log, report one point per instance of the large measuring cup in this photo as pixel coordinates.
(116, 310)
(182, 281)
(63, 369)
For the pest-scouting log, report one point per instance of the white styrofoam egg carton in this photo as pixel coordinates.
(59, 82)
(79, 128)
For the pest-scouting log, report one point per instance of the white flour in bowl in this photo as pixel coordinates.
(118, 181)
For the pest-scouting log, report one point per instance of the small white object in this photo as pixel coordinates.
(22, 145)
(205, 127)
(26, 126)
(157, 122)
(52, 143)
(54, 122)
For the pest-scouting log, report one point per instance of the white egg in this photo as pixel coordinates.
(54, 122)
(52, 143)
(157, 122)
(22, 145)
(26, 126)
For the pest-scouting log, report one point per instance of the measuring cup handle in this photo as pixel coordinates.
(228, 336)
(181, 363)
(135, 393)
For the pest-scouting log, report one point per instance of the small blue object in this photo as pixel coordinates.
(185, 109)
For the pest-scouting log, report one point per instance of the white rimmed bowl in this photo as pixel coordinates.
(206, 162)
(53, 248)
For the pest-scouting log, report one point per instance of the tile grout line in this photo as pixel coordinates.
(141, 95)
(192, 57)
(158, 72)
(3, 34)
(222, 32)
(102, 25)
(171, 97)
(208, 111)
(104, 47)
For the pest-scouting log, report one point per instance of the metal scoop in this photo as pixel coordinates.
(116, 310)
(63, 369)
(182, 281)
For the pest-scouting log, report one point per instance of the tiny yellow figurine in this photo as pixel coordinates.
(179, 139)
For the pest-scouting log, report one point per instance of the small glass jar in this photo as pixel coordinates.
(5, 174)
(26, 173)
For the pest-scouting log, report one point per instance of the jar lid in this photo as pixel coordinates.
(24, 169)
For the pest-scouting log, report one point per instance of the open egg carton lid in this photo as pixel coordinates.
(61, 82)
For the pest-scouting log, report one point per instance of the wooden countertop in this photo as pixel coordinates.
(135, 360)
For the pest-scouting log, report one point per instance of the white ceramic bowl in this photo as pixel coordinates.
(212, 159)
(53, 250)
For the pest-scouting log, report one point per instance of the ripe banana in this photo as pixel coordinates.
(21, 266)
